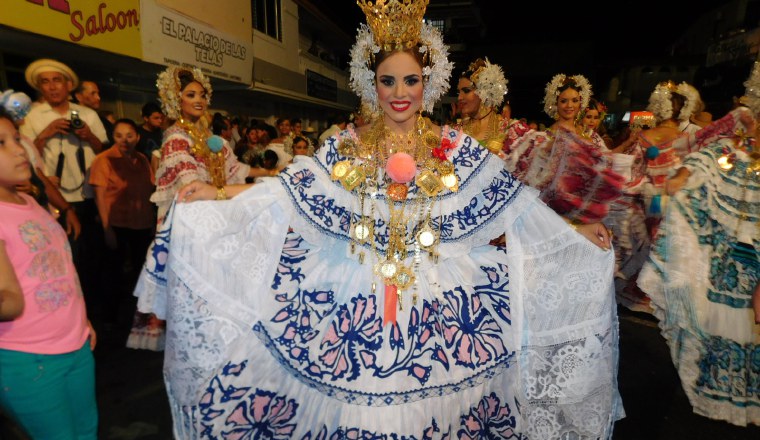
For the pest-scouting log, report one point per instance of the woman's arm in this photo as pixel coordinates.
(103, 211)
(199, 190)
(11, 297)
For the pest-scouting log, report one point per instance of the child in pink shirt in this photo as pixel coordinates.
(47, 374)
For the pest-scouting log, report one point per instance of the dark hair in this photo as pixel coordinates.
(281, 120)
(218, 123)
(678, 101)
(185, 78)
(269, 159)
(5, 115)
(149, 108)
(472, 68)
(298, 139)
(295, 121)
(126, 121)
(271, 131)
(568, 83)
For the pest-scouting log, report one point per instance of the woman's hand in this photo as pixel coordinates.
(596, 233)
(197, 190)
(675, 183)
(93, 336)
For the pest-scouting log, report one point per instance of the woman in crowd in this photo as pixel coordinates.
(574, 173)
(189, 153)
(704, 266)
(355, 294)
(123, 182)
(482, 88)
(592, 123)
(47, 371)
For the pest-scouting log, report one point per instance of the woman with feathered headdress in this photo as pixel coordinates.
(704, 266)
(574, 172)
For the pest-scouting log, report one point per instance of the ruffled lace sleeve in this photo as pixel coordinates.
(229, 242)
(565, 321)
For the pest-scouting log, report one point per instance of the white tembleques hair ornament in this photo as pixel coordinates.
(552, 92)
(490, 83)
(17, 104)
(169, 88)
(751, 96)
(693, 101)
(397, 25)
(660, 103)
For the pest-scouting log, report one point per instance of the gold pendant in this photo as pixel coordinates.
(363, 230)
(386, 269)
(450, 181)
(429, 183)
(445, 167)
(353, 178)
(427, 237)
(404, 278)
(340, 169)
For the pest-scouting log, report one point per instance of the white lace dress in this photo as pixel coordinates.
(274, 329)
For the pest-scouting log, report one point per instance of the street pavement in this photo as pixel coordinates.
(133, 404)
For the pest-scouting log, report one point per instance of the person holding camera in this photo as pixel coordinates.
(68, 136)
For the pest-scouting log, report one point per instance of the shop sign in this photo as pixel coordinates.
(112, 25)
(169, 38)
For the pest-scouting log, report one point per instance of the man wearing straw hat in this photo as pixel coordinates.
(68, 136)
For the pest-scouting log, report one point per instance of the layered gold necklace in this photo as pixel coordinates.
(200, 149)
(409, 226)
(492, 137)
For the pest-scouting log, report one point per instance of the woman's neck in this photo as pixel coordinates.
(8, 194)
(402, 127)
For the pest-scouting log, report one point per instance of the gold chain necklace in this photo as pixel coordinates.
(214, 161)
(363, 174)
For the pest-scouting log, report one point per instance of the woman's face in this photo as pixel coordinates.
(399, 89)
(284, 127)
(591, 119)
(468, 100)
(297, 128)
(14, 164)
(301, 148)
(125, 137)
(193, 101)
(253, 136)
(568, 104)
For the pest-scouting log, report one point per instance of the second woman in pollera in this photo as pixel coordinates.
(189, 153)
(574, 173)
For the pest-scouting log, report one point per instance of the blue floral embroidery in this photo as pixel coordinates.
(358, 326)
(490, 419)
(468, 327)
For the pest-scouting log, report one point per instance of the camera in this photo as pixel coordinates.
(76, 122)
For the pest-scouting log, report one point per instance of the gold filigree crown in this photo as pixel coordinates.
(395, 24)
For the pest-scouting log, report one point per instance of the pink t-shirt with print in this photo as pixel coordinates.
(54, 319)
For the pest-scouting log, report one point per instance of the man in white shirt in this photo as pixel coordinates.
(68, 136)
(338, 125)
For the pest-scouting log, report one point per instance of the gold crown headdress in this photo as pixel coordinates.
(395, 24)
